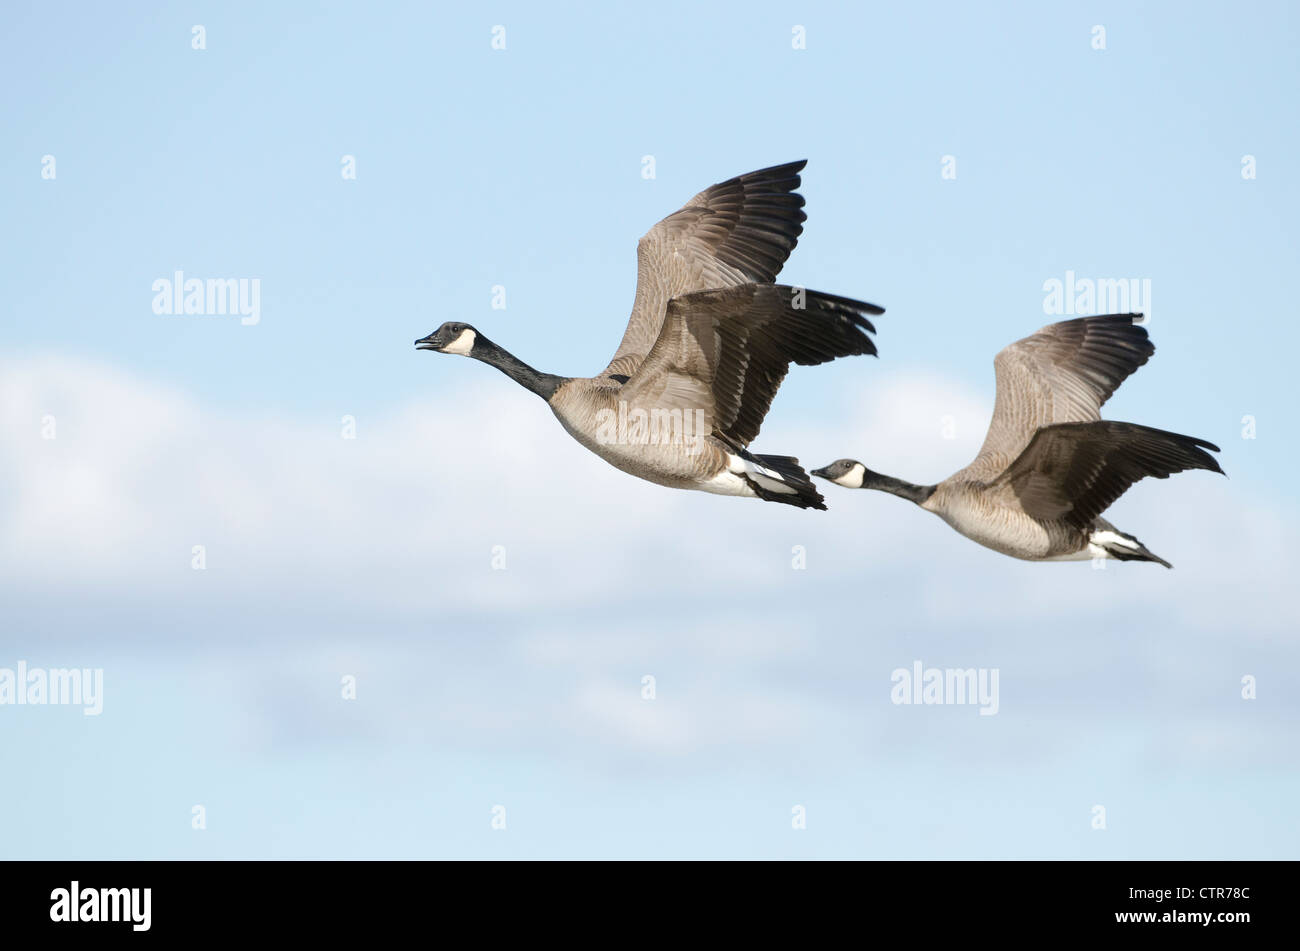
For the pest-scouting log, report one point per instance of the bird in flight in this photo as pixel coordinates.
(709, 341)
(1050, 465)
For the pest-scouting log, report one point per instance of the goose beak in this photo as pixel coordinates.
(426, 343)
(821, 472)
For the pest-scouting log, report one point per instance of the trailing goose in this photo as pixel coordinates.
(708, 344)
(1050, 465)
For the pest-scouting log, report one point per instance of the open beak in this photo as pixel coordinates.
(426, 343)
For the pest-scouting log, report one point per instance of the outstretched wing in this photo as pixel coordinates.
(736, 232)
(1074, 471)
(1061, 374)
(725, 351)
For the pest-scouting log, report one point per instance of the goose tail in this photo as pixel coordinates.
(781, 479)
(1107, 541)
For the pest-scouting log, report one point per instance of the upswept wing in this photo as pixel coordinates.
(736, 232)
(1061, 374)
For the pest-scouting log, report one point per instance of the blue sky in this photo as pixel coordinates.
(371, 557)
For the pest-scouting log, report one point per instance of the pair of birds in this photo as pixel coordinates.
(712, 336)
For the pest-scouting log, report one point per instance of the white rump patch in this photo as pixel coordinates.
(1113, 538)
(729, 481)
(771, 481)
(1098, 540)
(764, 476)
(732, 480)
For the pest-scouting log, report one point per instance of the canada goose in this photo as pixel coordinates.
(1050, 464)
(708, 344)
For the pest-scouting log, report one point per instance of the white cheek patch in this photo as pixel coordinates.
(853, 478)
(463, 344)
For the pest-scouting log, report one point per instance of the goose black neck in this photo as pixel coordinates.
(899, 487)
(543, 384)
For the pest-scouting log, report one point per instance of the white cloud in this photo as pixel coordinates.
(403, 520)
(375, 554)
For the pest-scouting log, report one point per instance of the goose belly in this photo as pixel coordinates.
(688, 463)
(1012, 532)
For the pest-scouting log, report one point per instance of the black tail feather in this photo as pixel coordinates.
(1125, 553)
(792, 474)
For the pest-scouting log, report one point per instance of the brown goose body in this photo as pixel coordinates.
(1050, 465)
(709, 342)
(583, 406)
(993, 518)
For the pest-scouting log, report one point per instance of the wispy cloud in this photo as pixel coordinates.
(374, 556)
(478, 502)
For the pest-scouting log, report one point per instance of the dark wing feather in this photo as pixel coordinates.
(736, 232)
(727, 350)
(1061, 374)
(1074, 471)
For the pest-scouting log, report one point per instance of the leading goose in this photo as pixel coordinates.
(708, 344)
(1050, 464)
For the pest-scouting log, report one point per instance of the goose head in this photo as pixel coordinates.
(451, 337)
(846, 472)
